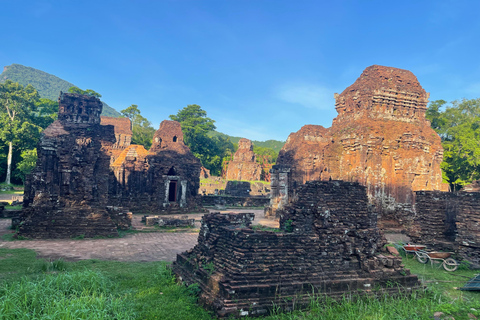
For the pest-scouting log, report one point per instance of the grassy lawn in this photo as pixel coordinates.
(37, 289)
(31, 288)
(10, 189)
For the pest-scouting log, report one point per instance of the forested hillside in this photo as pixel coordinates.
(47, 85)
(271, 144)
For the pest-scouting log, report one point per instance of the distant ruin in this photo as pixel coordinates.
(329, 245)
(88, 171)
(244, 166)
(67, 193)
(123, 134)
(166, 178)
(380, 139)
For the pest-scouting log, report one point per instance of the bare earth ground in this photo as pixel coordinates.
(7, 197)
(151, 246)
(142, 246)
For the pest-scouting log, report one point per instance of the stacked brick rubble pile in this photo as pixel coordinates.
(449, 221)
(380, 139)
(244, 165)
(67, 193)
(166, 178)
(332, 249)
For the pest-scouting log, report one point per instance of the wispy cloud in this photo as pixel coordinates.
(307, 95)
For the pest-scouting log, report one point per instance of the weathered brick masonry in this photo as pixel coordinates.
(332, 249)
(235, 201)
(166, 178)
(244, 165)
(448, 221)
(67, 193)
(380, 139)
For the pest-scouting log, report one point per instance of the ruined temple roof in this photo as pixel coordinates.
(76, 109)
(245, 144)
(169, 137)
(388, 78)
(55, 129)
(133, 150)
(122, 125)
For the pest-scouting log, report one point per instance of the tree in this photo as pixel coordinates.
(89, 92)
(459, 128)
(195, 126)
(265, 155)
(142, 130)
(47, 112)
(194, 120)
(17, 124)
(29, 160)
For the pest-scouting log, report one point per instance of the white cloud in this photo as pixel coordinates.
(306, 95)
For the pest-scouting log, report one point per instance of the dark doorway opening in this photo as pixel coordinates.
(172, 172)
(172, 191)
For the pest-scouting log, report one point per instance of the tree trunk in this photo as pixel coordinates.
(9, 162)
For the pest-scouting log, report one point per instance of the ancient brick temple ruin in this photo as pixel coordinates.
(166, 178)
(448, 221)
(67, 193)
(88, 171)
(123, 134)
(329, 246)
(244, 165)
(380, 139)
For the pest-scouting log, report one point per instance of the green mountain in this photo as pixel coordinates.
(47, 85)
(272, 144)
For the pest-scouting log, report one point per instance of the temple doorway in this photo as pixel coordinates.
(172, 191)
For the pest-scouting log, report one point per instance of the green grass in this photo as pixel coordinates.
(91, 289)
(13, 192)
(33, 288)
(6, 188)
(19, 207)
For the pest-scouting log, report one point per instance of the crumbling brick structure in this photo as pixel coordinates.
(123, 134)
(166, 178)
(380, 139)
(244, 165)
(67, 193)
(122, 128)
(329, 245)
(449, 221)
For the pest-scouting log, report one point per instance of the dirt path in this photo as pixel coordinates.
(152, 246)
(8, 197)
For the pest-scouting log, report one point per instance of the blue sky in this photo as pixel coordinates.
(261, 69)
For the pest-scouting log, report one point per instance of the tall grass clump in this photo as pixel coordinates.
(421, 304)
(71, 295)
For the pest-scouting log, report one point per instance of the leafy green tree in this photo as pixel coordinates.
(29, 160)
(194, 120)
(17, 119)
(142, 130)
(47, 112)
(265, 155)
(89, 92)
(458, 125)
(195, 125)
